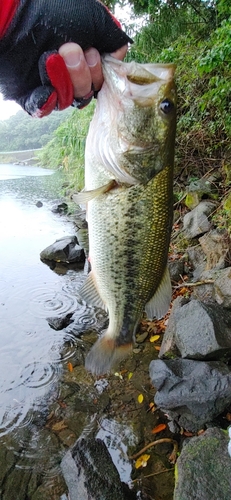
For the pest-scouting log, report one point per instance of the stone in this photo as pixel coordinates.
(58, 323)
(90, 473)
(216, 245)
(39, 204)
(196, 222)
(198, 331)
(196, 258)
(192, 393)
(203, 469)
(65, 250)
(168, 345)
(176, 269)
(60, 208)
(222, 288)
(201, 188)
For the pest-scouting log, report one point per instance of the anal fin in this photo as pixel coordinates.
(90, 294)
(159, 304)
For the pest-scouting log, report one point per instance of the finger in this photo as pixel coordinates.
(93, 59)
(77, 67)
(120, 53)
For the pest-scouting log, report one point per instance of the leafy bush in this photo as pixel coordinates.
(66, 149)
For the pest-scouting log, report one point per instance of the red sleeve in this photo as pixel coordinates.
(7, 11)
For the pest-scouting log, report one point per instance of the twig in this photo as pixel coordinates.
(153, 474)
(197, 283)
(173, 455)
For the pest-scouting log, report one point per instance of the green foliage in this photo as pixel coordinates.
(66, 149)
(192, 35)
(169, 20)
(204, 99)
(21, 131)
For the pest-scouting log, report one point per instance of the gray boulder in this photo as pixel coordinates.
(192, 393)
(200, 188)
(90, 473)
(222, 288)
(204, 468)
(196, 222)
(64, 250)
(198, 331)
(216, 246)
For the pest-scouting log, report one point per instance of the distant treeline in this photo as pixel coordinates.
(21, 131)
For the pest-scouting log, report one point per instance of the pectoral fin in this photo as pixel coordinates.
(86, 196)
(159, 304)
(90, 294)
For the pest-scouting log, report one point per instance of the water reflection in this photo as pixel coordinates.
(29, 291)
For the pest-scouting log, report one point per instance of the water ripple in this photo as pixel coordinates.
(36, 375)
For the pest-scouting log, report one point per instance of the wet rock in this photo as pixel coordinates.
(168, 346)
(16, 484)
(192, 393)
(176, 269)
(39, 204)
(60, 208)
(101, 385)
(65, 250)
(216, 246)
(196, 222)
(222, 288)
(197, 260)
(204, 468)
(58, 323)
(201, 188)
(90, 473)
(198, 330)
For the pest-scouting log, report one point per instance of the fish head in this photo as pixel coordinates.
(137, 110)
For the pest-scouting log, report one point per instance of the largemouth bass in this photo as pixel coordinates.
(129, 193)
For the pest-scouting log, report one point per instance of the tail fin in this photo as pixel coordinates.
(104, 354)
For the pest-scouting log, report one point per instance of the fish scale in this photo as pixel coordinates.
(129, 195)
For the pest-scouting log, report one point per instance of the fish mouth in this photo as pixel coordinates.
(137, 80)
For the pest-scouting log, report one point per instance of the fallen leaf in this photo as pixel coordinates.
(61, 403)
(159, 428)
(142, 461)
(151, 407)
(157, 347)
(154, 338)
(140, 398)
(70, 367)
(59, 426)
(117, 374)
(188, 434)
(130, 375)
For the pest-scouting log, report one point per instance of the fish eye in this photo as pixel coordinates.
(166, 106)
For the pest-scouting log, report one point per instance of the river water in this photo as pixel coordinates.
(29, 291)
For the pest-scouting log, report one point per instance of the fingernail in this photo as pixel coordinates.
(92, 57)
(72, 59)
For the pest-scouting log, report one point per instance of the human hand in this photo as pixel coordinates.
(85, 69)
(33, 53)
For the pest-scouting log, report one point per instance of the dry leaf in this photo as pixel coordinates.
(154, 338)
(59, 426)
(157, 347)
(70, 367)
(140, 398)
(151, 407)
(142, 461)
(159, 428)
